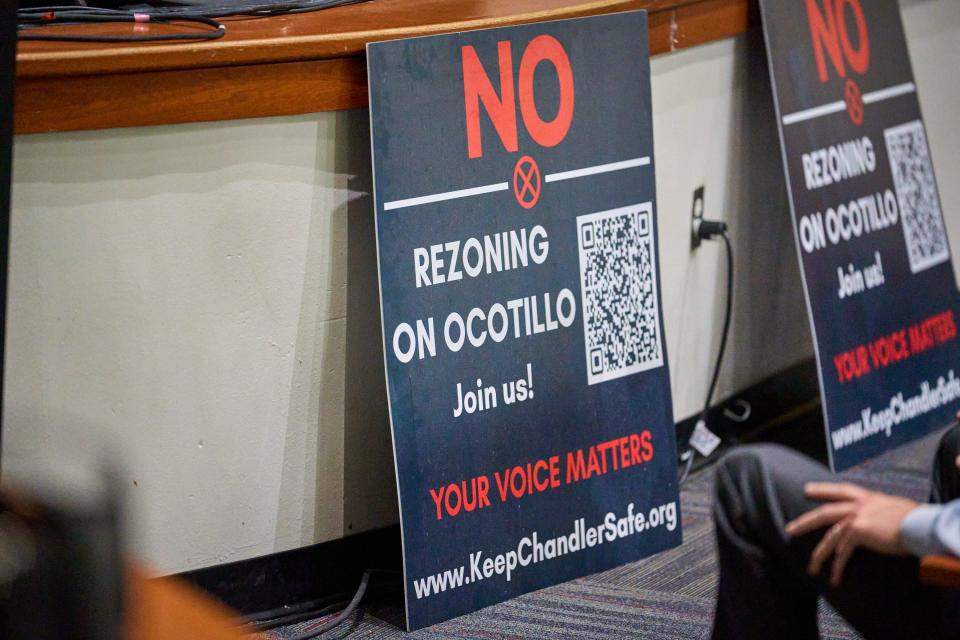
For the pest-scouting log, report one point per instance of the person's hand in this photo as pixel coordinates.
(856, 517)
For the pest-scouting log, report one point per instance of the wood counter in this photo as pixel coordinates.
(291, 64)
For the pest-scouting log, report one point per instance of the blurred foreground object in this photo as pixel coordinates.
(62, 575)
(60, 568)
(171, 609)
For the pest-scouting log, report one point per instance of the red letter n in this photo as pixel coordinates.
(823, 30)
(477, 88)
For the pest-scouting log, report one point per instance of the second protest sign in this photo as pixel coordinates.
(869, 230)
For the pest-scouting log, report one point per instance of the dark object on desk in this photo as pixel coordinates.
(207, 8)
(34, 20)
(224, 8)
(35, 24)
(31, 4)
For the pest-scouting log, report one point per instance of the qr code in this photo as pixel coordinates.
(621, 322)
(916, 188)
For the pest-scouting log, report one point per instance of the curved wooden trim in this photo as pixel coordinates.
(84, 103)
(306, 36)
(309, 67)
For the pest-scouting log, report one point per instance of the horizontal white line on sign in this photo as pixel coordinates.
(889, 92)
(815, 112)
(446, 195)
(600, 168)
(840, 105)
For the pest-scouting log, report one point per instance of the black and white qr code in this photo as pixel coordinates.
(913, 180)
(621, 323)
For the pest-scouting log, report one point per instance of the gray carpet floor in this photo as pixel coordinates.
(669, 596)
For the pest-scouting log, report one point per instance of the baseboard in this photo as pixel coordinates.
(287, 578)
(779, 404)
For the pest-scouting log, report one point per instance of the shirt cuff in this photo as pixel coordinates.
(916, 530)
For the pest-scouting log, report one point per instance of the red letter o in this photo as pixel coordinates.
(453, 490)
(859, 60)
(547, 134)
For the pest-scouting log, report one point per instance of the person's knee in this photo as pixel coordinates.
(946, 471)
(735, 464)
(738, 481)
(740, 474)
(750, 463)
(756, 484)
(949, 447)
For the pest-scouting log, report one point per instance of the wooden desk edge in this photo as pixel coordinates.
(940, 571)
(285, 77)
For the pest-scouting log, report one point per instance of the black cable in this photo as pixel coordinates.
(195, 10)
(309, 610)
(688, 457)
(310, 605)
(28, 20)
(294, 618)
(207, 15)
(228, 9)
(291, 614)
(726, 326)
(707, 233)
(346, 613)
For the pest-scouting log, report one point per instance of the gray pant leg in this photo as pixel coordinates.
(758, 489)
(764, 589)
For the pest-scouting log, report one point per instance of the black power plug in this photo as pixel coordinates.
(703, 229)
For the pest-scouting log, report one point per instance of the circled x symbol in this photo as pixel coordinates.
(526, 182)
(851, 95)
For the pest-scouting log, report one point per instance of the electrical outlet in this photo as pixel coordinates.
(696, 216)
